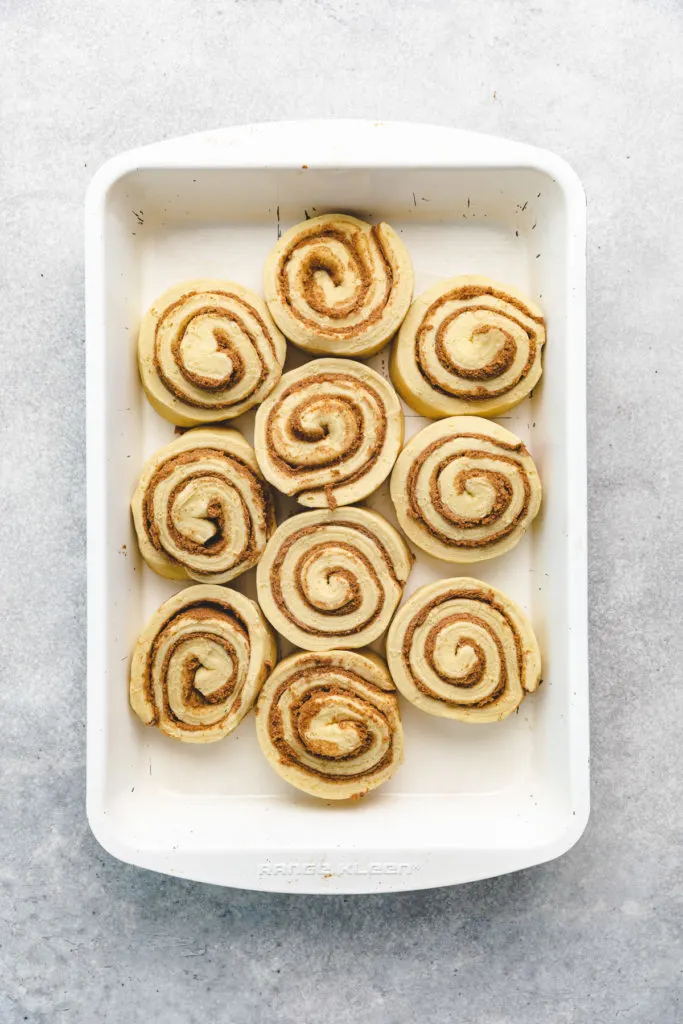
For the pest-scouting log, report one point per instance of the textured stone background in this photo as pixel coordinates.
(593, 937)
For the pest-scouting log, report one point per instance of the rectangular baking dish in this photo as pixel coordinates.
(469, 802)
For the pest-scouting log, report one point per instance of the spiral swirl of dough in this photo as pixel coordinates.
(465, 489)
(338, 286)
(468, 346)
(208, 350)
(329, 723)
(201, 509)
(198, 666)
(461, 649)
(333, 579)
(329, 433)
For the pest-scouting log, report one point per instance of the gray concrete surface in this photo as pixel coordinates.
(593, 937)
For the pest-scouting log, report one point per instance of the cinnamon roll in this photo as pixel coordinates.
(338, 286)
(465, 489)
(198, 666)
(329, 433)
(333, 578)
(461, 649)
(202, 511)
(468, 346)
(208, 350)
(329, 723)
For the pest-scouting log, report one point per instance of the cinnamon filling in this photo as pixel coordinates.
(258, 515)
(500, 484)
(503, 360)
(302, 711)
(478, 673)
(344, 407)
(495, 368)
(354, 582)
(352, 585)
(322, 259)
(223, 343)
(196, 613)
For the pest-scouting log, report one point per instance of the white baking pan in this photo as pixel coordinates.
(469, 802)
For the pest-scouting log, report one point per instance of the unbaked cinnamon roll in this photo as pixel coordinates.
(329, 433)
(202, 510)
(338, 286)
(198, 666)
(208, 350)
(465, 489)
(329, 723)
(333, 579)
(468, 346)
(461, 649)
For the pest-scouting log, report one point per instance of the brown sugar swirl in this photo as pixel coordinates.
(329, 433)
(333, 579)
(465, 489)
(201, 510)
(200, 663)
(336, 285)
(329, 723)
(468, 346)
(461, 649)
(208, 350)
